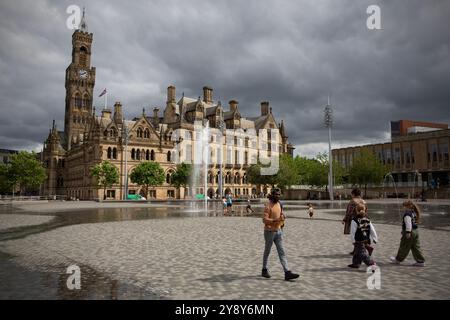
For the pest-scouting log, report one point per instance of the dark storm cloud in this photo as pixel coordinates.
(292, 53)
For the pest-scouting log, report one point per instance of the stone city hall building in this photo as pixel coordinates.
(88, 138)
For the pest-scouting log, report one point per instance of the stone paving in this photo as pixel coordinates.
(220, 258)
(8, 221)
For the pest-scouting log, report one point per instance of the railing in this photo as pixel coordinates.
(33, 198)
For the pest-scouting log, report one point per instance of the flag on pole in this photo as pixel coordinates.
(103, 93)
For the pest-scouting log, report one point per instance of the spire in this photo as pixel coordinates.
(282, 130)
(328, 100)
(83, 24)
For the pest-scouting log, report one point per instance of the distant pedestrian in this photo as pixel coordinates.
(249, 207)
(273, 233)
(229, 203)
(361, 231)
(410, 236)
(224, 205)
(310, 210)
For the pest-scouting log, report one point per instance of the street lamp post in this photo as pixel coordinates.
(125, 139)
(221, 127)
(328, 123)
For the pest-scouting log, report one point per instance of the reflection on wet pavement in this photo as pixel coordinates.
(20, 282)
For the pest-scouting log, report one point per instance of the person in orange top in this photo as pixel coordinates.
(273, 220)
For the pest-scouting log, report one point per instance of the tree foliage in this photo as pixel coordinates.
(147, 174)
(366, 168)
(24, 171)
(106, 175)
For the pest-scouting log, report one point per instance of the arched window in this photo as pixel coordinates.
(115, 153)
(168, 178)
(77, 101)
(210, 177)
(139, 133)
(85, 101)
(152, 155)
(228, 178)
(146, 133)
(133, 154)
(109, 153)
(138, 154)
(169, 156)
(147, 155)
(83, 56)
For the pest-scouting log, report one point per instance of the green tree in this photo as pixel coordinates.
(181, 176)
(25, 171)
(366, 168)
(314, 172)
(287, 174)
(255, 177)
(5, 179)
(147, 174)
(106, 175)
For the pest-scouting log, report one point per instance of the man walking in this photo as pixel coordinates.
(273, 233)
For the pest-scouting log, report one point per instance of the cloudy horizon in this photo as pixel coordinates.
(290, 53)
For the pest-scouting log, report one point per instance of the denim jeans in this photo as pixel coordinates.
(270, 237)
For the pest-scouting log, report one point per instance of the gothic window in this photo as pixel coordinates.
(83, 56)
(138, 154)
(152, 155)
(169, 156)
(77, 100)
(147, 155)
(85, 102)
(115, 153)
(139, 133)
(109, 153)
(146, 133)
(133, 154)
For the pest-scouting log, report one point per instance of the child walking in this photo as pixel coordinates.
(410, 236)
(361, 231)
(224, 204)
(310, 210)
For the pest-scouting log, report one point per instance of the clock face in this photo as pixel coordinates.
(83, 74)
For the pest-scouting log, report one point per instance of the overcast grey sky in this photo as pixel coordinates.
(291, 53)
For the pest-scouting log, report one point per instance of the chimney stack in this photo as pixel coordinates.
(233, 105)
(155, 112)
(106, 113)
(171, 94)
(207, 94)
(118, 112)
(264, 108)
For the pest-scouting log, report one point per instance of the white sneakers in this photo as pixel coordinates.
(394, 260)
(419, 264)
(416, 264)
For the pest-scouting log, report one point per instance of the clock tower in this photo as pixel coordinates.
(80, 81)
